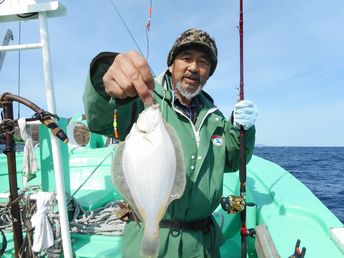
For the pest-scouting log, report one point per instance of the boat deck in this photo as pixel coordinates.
(286, 206)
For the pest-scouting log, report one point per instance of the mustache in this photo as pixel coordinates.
(191, 76)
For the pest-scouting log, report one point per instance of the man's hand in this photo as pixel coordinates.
(244, 114)
(129, 76)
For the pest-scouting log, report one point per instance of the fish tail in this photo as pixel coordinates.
(150, 245)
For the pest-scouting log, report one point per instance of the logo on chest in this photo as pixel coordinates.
(217, 140)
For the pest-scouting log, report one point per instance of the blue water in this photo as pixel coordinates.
(321, 169)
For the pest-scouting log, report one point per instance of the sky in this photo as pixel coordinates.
(293, 58)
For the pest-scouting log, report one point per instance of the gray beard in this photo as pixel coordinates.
(188, 95)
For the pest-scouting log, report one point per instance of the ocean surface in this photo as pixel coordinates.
(321, 169)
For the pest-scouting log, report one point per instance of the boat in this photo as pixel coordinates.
(285, 215)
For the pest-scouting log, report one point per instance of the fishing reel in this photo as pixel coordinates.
(233, 204)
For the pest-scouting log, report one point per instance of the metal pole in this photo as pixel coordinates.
(20, 47)
(59, 179)
(12, 177)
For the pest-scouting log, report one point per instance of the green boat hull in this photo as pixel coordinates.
(277, 199)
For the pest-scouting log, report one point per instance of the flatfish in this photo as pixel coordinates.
(148, 170)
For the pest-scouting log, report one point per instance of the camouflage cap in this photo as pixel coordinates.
(195, 37)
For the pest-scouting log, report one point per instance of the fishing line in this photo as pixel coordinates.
(94, 170)
(148, 25)
(131, 35)
(126, 26)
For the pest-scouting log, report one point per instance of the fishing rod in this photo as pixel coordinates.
(235, 204)
(242, 151)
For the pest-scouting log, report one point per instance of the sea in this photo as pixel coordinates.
(321, 169)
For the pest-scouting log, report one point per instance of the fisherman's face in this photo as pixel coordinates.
(190, 71)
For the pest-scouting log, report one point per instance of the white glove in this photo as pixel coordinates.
(244, 113)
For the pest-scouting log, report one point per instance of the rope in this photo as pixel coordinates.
(26, 210)
(5, 217)
(3, 243)
(102, 221)
(7, 125)
(26, 214)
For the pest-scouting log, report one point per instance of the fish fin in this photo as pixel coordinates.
(180, 179)
(150, 246)
(118, 178)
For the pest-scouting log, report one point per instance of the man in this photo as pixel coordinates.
(210, 142)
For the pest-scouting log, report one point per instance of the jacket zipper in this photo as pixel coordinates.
(195, 131)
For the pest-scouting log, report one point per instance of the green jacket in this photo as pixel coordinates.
(211, 148)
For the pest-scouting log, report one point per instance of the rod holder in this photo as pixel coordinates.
(251, 215)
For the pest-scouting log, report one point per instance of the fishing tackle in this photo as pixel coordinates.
(148, 24)
(46, 119)
(242, 149)
(115, 132)
(233, 204)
